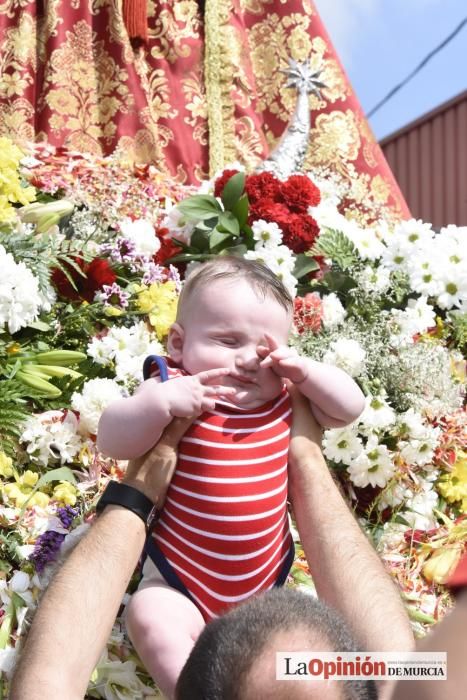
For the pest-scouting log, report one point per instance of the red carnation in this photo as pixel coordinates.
(270, 211)
(222, 181)
(300, 233)
(308, 313)
(262, 186)
(299, 193)
(168, 248)
(97, 273)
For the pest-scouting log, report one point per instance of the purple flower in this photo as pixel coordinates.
(46, 549)
(67, 515)
(112, 295)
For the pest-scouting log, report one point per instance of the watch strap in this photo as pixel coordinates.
(118, 494)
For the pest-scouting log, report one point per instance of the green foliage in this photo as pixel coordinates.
(335, 245)
(43, 253)
(13, 412)
(220, 229)
(459, 331)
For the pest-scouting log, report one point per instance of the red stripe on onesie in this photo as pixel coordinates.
(224, 528)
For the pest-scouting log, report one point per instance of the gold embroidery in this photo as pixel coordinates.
(16, 119)
(47, 27)
(9, 7)
(173, 25)
(218, 79)
(195, 104)
(256, 7)
(83, 105)
(334, 140)
(380, 189)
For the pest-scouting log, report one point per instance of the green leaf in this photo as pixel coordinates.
(339, 282)
(303, 265)
(228, 222)
(239, 249)
(39, 326)
(188, 257)
(200, 206)
(200, 240)
(240, 210)
(217, 238)
(335, 245)
(233, 189)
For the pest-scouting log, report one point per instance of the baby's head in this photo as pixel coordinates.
(228, 307)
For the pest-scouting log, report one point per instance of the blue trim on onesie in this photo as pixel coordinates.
(161, 363)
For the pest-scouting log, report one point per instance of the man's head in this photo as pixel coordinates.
(228, 308)
(234, 657)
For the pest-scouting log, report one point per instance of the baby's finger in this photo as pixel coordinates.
(209, 375)
(272, 342)
(208, 404)
(262, 351)
(219, 390)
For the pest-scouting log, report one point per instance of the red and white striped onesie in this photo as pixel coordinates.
(223, 534)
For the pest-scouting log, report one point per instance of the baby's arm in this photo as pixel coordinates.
(335, 399)
(128, 428)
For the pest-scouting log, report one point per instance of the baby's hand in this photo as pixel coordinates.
(284, 361)
(190, 396)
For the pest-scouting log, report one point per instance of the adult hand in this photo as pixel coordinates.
(151, 474)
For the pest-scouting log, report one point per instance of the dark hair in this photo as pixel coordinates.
(258, 275)
(223, 655)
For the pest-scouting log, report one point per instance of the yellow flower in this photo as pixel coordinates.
(159, 302)
(442, 563)
(453, 485)
(20, 490)
(11, 188)
(6, 464)
(65, 492)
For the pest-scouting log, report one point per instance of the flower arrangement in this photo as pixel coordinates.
(89, 286)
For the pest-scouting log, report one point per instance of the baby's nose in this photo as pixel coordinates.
(248, 359)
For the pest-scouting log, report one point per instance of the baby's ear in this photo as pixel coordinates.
(175, 342)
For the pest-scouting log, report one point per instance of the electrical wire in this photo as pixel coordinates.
(395, 89)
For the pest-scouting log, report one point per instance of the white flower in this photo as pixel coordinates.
(419, 509)
(453, 281)
(280, 260)
(413, 235)
(341, 445)
(178, 226)
(421, 451)
(127, 349)
(333, 311)
(347, 354)
(411, 423)
(267, 233)
(141, 233)
(19, 583)
(366, 240)
(418, 317)
(374, 466)
(117, 680)
(52, 436)
(394, 495)
(377, 414)
(96, 395)
(8, 659)
(374, 280)
(20, 299)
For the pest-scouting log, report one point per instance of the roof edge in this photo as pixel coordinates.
(424, 118)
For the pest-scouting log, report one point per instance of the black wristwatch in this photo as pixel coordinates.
(119, 494)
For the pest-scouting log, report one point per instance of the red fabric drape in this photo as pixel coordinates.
(199, 84)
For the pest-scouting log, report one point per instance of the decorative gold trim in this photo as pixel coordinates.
(219, 81)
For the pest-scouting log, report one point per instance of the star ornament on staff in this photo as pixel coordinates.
(288, 155)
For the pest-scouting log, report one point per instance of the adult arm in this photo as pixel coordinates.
(347, 572)
(76, 614)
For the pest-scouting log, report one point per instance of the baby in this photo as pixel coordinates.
(223, 534)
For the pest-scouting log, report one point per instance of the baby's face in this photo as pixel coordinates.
(224, 323)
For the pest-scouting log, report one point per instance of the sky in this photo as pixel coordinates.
(380, 42)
